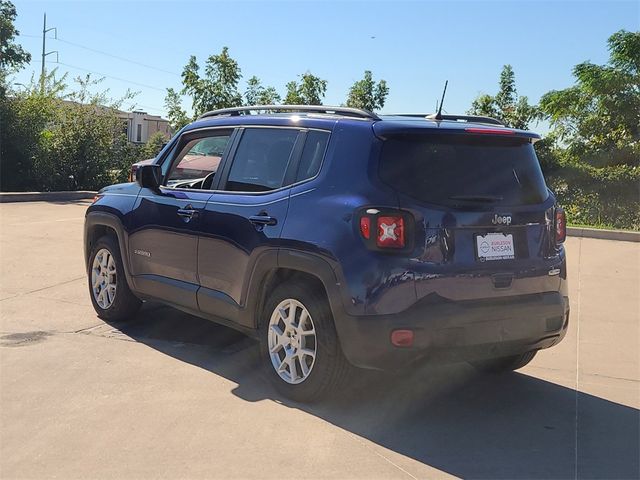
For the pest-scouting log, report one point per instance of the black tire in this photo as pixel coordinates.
(505, 364)
(125, 304)
(330, 370)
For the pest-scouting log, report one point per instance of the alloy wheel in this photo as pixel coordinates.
(104, 278)
(292, 341)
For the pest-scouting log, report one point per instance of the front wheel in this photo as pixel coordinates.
(299, 344)
(110, 294)
(505, 364)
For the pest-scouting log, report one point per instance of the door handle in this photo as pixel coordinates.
(262, 220)
(187, 213)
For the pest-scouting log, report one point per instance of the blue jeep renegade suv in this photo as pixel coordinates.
(337, 237)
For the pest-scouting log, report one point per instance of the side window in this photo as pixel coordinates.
(261, 161)
(197, 162)
(312, 154)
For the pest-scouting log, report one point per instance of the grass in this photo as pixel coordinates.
(600, 226)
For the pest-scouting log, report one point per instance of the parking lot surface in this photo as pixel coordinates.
(169, 395)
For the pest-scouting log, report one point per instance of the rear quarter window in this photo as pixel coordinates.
(315, 146)
(444, 168)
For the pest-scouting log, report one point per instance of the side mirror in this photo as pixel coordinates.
(149, 176)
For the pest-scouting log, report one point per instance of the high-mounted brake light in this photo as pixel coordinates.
(561, 226)
(490, 131)
(390, 232)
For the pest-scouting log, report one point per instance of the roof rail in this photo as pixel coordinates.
(345, 111)
(457, 118)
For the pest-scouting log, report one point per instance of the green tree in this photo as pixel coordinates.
(484, 105)
(309, 91)
(256, 94)
(12, 55)
(63, 138)
(505, 99)
(153, 146)
(598, 118)
(85, 148)
(367, 94)
(293, 96)
(217, 88)
(24, 116)
(506, 105)
(178, 118)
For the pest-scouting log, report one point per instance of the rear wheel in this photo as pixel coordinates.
(110, 294)
(299, 344)
(505, 364)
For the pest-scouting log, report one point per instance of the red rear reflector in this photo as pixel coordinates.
(365, 227)
(561, 225)
(390, 232)
(490, 131)
(402, 338)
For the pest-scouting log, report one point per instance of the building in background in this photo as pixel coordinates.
(139, 126)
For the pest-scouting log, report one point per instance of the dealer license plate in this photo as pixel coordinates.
(494, 246)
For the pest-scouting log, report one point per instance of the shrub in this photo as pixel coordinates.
(606, 197)
(55, 141)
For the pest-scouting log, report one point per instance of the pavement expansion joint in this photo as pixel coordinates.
(22, 294)
(107, 331)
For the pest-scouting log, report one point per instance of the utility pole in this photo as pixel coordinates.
(44, 49)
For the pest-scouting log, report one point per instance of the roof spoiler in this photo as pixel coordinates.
(455, 118)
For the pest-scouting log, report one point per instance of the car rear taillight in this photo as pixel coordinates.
(365, 227)
(390, 232)
(385, 229)
(561, 226)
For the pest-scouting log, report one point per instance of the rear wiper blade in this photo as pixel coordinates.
(477, 198)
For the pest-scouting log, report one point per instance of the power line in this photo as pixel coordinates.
(110, 76)
(118, 57)
(119, 79)
(107, 54)
(148, 107)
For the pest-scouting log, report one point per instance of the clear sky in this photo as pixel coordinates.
(415, 46)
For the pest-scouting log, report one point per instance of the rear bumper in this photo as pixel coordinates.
(456, 331)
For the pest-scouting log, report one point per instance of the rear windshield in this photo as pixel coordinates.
(459, 169)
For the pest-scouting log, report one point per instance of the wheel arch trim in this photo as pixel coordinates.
(103, 219)
(297, 261)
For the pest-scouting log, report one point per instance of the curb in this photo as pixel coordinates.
(10, 197)
(620, 235)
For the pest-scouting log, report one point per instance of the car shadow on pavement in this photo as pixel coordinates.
(468, 425)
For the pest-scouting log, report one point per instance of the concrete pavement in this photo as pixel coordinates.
(170, 395)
